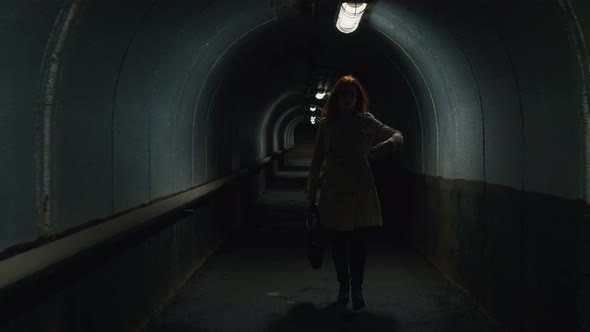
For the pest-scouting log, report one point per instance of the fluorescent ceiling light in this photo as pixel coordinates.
(350, 16)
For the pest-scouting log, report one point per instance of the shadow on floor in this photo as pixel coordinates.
(335, 317)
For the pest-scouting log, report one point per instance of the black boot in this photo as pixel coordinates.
(344, 293)
(357, 269)
(340, 253)
(358, 302)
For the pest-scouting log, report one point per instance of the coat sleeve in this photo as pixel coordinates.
(383, 133)
(317, 161)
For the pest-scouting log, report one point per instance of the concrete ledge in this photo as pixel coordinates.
(35, 260)
(115, 275)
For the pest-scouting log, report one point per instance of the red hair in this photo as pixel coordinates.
(361, 105)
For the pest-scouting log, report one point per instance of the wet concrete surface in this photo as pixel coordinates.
(262, 281)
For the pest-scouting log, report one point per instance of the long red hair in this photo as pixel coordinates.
(361, 104)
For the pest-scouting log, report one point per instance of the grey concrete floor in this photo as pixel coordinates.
(263, 282)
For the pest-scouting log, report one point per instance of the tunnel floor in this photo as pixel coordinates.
(263, 282)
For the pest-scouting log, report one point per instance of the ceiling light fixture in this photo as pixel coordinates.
(350, 16)
(320, 94)
(313, 108)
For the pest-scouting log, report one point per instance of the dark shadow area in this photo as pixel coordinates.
(334, 317)
(174, 327)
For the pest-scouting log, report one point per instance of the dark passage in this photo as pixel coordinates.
(139, 137)
(263, 282)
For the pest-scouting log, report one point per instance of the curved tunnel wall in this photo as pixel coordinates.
(498, 93)
(134, 93)
(281, 133)
(477, 80)
(146, 99)
(143, 103)
(133, 103)
(292, 126)
(174, 64)
(499, 88)
(22, 85)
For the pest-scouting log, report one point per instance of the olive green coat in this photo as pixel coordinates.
(348, 197)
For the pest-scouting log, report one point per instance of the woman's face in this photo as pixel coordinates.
(347, 99)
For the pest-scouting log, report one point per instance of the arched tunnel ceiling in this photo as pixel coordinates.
(287, 58)
(154, 97)
(457, 63)
(462, 72)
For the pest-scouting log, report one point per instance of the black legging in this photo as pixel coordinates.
(349, 249)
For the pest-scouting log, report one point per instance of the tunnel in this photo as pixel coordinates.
(138, 138)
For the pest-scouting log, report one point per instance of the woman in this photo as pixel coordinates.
(348, 202)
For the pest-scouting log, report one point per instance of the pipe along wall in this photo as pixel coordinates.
(109, 107)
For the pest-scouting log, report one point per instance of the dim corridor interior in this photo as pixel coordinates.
(262, 281)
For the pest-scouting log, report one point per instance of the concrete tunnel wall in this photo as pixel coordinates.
(297, 150)
(139, 105)
(146, 99)
(280, 134)
(132, 115)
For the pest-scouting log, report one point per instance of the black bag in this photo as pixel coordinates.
(315, 238)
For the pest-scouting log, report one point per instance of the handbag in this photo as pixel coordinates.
(315, 238)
